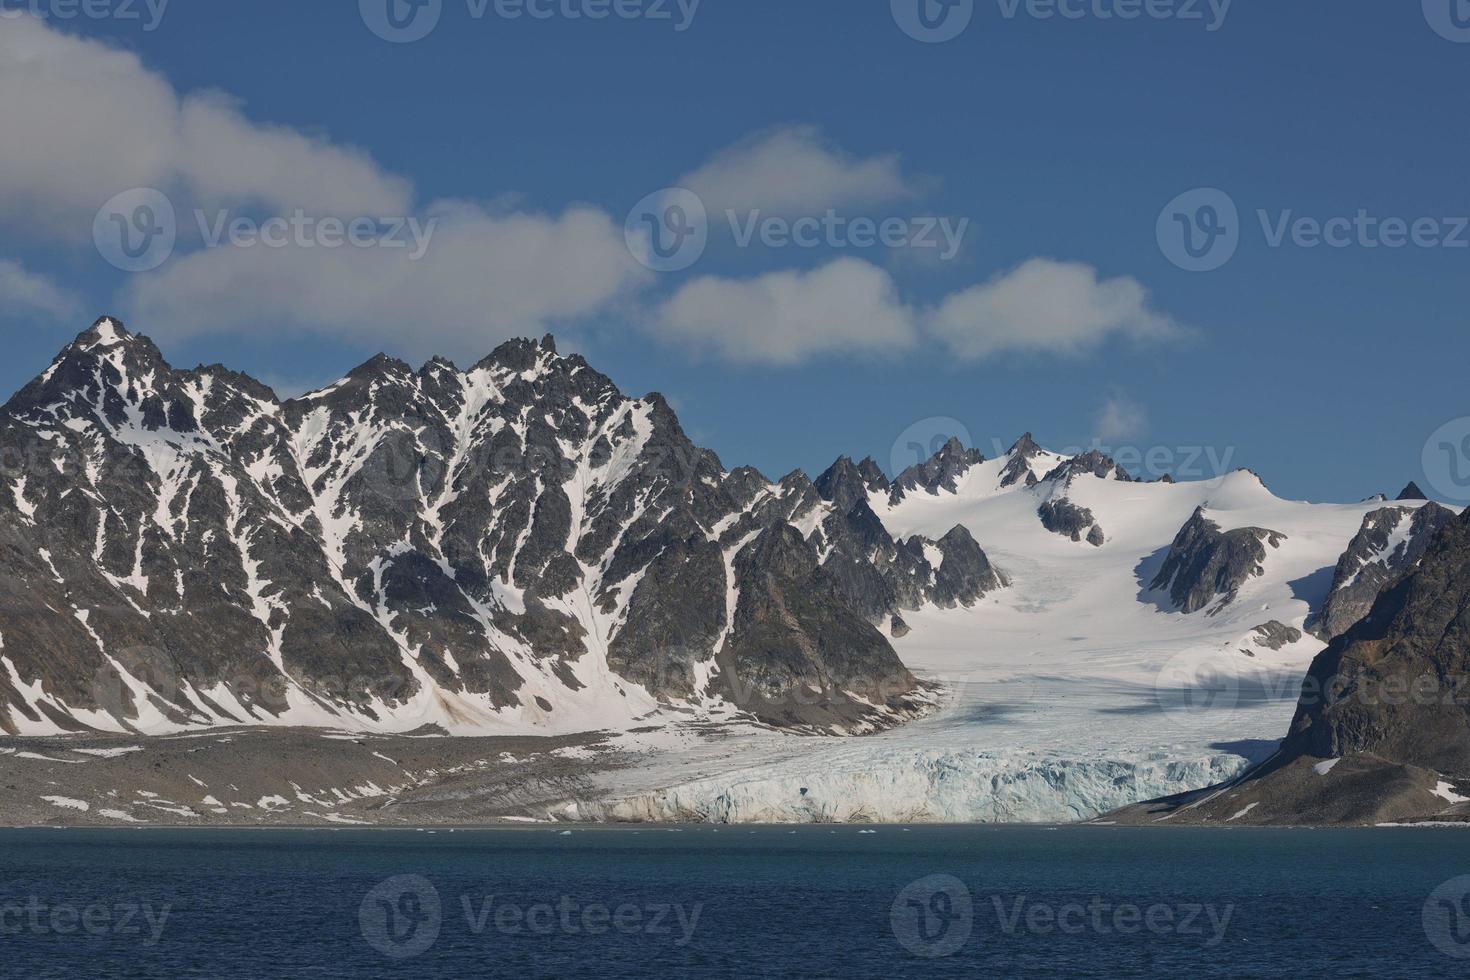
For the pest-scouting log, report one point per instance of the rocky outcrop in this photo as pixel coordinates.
(845, 483)
(1206, 566)
(1019, 459)
(1412, 492)
(1061, 516)
(1387, 547)
(881, 577)
(1094, 463)
(798, 656)
(941, 471)
(1276, 635)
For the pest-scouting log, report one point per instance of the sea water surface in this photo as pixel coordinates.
(811, 901)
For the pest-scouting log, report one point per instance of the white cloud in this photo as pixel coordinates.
(96, 121)
(1046, 306)
(227, 159)
(849, 306)
(1120, 418)
(92, 121)
(794, 170)
(31, 291)
(484, 277)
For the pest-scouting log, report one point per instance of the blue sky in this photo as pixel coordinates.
(1059, 140)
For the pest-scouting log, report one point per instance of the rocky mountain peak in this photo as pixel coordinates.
(845, 483)
(1412, 492)
(1018, 462)
(941, 471)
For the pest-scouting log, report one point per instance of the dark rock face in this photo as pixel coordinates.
(1018, 470)
(1387, 547)
(942, 471)
(1276, 635)
(965, 574)
(1094, 463)
(434, 540)
(1412, 492)
(881, 577)
(1394, 684)
(1205, 564)
(797, 655)
(845, 482)
(1061, 516)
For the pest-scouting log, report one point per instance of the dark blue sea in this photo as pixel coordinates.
(735, 902)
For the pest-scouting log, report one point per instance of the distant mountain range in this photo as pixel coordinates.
(517, 548)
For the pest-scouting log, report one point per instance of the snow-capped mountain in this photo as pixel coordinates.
(518, 548)
(512, 547)
(1166, 658)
